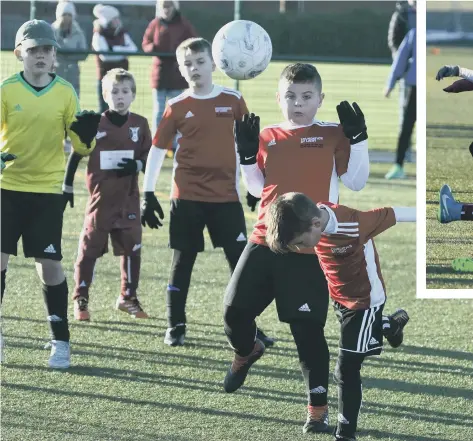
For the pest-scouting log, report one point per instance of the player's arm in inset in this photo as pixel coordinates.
(352, 162)
(163, 138)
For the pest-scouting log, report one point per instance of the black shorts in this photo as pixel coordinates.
(225, 222)
(294, 280)
(361, 330)
(37, 219)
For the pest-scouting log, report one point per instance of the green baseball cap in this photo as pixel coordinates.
(35, 33)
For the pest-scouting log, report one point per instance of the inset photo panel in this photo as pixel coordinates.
(449, 157)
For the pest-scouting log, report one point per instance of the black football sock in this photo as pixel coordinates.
(467, 212)
(130, 273)
(313, 358)
(55, 299)
(233, 253)
(4, 275)
(348, 378)
(178, 287)
(240, 328)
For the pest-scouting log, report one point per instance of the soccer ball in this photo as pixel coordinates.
(242, 49)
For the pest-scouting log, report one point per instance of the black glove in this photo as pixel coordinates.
(247, 138)
(471, 149)
(352, 121)
(128, 167)
(68, 197)
(149, 206)
(252, 201)
(86, 126)
(448, 71)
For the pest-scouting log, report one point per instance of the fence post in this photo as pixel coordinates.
(32, 9)
(236, 16)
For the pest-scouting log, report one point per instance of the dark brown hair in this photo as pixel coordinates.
(302, 73)
(288, 216)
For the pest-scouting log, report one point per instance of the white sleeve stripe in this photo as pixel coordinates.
(177, 98)
(349, 224)
(346, 234)
(347, 230)
(232, 92)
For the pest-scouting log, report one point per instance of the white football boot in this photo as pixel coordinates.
(60, 357)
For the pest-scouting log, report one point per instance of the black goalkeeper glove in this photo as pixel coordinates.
(471, 149)
(86, 126)
(149, 206)
(128, 167)
(352, 121)
(247, 138)
(252, 201)
(448, 71)
(68, 194)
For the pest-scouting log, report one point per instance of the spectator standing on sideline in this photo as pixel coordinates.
(164, 34)
(402, 21)
(404, 67)
(109, 35)
(69, 36)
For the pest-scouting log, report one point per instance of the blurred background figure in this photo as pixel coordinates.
(402, 21)
(404, 68)
(69, 36)
(109, 35)
(164, 34)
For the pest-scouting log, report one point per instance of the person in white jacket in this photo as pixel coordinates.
(109, 35)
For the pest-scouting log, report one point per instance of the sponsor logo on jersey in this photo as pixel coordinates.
(312, 142)
(134, 133)
(224, 112)
(341, 250)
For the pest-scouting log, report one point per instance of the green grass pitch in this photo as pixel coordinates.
(125, 384)
(449, 133)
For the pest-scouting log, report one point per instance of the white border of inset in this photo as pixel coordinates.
(421, 133)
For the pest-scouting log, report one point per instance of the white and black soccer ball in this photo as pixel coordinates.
(242, 49)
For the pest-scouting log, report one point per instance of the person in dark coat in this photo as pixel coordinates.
(164, 34)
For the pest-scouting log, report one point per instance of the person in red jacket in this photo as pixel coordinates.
(164, 34)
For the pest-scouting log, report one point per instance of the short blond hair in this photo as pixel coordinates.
(118, 75)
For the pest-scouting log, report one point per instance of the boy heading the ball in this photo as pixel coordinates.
(307, 155)
(37, 107)
(343, 239)
(113, 206)
(205, 176)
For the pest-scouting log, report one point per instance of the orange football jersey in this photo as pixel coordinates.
(349, 258)
(306, 159)
(205, 163)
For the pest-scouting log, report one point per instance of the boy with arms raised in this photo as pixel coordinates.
(300, 154)
(343, 238)
(123, 143)
(205, 176)
(37, 106)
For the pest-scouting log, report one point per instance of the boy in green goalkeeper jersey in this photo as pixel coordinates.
(37, 107)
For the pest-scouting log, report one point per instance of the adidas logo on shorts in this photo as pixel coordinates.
(50, 249)
(342, 419)
(373, 341)
(304, 308)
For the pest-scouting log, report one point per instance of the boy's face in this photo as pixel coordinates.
(299, 102)
(66, 20)
(119, 96)
(196, 68)
(38, 60)
(308, 239)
